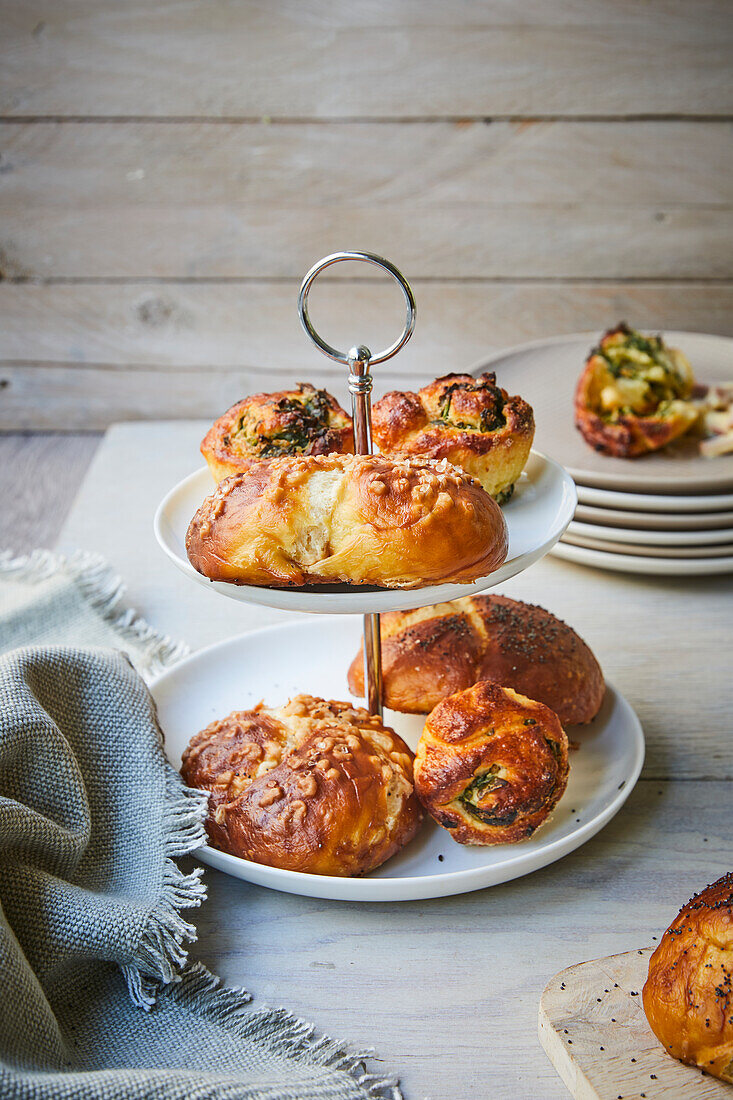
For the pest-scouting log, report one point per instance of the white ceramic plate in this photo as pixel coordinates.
(635, 563)
(654, 502)
(654, 521)
(313, 656)
(545, 372)
(649, 538)
(538, 513)
(680, 553)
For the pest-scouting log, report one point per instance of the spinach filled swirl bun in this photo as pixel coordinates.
(491, 765)
(272, 425)
(634, 394)
(469, 421)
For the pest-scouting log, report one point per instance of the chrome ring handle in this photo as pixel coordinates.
(358, 353)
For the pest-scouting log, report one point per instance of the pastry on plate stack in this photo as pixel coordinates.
(644, 424)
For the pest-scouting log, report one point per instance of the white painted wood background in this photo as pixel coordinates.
(169, 171)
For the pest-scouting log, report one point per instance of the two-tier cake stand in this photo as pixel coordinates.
(313, 656)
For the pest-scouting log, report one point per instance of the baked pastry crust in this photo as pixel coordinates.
(432, 652)
(688, 996)
(269, 425)
(632, 397)
(315, 786)
(360, 519)
(491, 765)
(472, 422)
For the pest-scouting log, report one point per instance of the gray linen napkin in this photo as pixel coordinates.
(48, 598)
(97, 998)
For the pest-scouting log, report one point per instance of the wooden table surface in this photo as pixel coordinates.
(446, 990)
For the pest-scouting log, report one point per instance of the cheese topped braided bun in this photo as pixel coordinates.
(316, 786)
(360, 519)
(472, 422)
(434, 651)
(688, 996)
(491, 764)
(269, 425)
(632, 396)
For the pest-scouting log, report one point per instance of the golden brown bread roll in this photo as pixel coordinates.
(432, 652)
(472, 422)
(632, 395)
(315, 786)
(491, 764)
(362, 519)
(269, 425)
(688, 996)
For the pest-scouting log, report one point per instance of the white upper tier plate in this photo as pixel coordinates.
(545, 373)
(313, 656)
(542, 506)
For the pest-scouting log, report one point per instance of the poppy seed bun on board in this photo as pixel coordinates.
(491, 765)
(434, 651)
(359, 519)
(688, 996)
(315, 786)
(472, 422)
(269, 425)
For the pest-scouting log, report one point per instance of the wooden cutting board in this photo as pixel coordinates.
(594, 1031)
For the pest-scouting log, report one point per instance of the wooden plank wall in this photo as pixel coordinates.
(169, 171)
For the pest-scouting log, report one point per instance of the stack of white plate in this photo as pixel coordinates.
(668, 512)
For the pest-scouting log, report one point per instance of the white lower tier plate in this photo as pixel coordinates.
(542, 506)
(313, 656)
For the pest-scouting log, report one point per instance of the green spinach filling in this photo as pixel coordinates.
(491, 780)
(490, 418)
(647, 362)
(477, 790)
(304, 420)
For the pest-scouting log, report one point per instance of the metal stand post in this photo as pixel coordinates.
(360, 388)
(359, 361)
